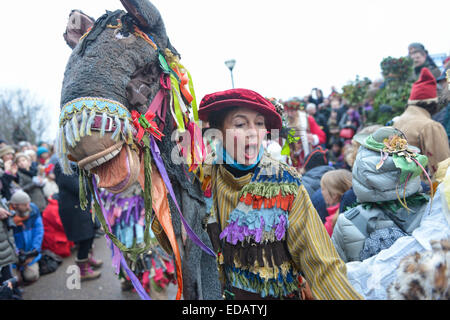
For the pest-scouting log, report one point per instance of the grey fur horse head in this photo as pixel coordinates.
(120, 47)
(114, 69)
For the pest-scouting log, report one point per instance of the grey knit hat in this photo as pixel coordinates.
(20, 197)
(22, 154)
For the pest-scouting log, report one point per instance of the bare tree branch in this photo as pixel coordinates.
(21, 117)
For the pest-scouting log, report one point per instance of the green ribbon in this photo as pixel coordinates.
(176, 103)
(82, 190)
(144, 122)
(135, 250)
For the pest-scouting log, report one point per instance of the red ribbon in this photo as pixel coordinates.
(145, 123)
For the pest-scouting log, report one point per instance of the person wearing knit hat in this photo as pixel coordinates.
(416, 122)
(28, 234)
(30, 181)
(9, 178)
(421, 59)
(267, 236)
(7, 153)
(43, 154)
(20, 197)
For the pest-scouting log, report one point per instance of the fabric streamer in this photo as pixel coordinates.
(160, 165)
(162, 211)
(117, 253)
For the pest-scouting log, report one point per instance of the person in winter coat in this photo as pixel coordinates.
(416, 123)
(8, 173)
(77, 222)
(30, 182)
(316, 165)
(443, 116)
(391, 273)
(311, 109)
(421, 59)
(50, 186)
(7, 245)
(55, 238)
(43, 155)
(388, 191)
(333, 185)
(28, 234)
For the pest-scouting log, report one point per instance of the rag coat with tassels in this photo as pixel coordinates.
(267, 234)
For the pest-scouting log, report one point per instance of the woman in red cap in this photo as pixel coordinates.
(262, 224)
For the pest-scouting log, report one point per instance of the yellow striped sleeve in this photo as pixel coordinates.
(314, 254)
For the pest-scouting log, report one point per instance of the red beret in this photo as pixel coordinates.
(240, 98)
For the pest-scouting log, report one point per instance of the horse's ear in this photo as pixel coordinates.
(79, 23)
(149, 20)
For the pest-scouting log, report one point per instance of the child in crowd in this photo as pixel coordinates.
(33, 157)
(43, 155)
(50, 186)
(334, 184)
(30, 182)
(336, 153)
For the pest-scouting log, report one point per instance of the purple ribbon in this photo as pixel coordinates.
(118, 254)
(162, 170)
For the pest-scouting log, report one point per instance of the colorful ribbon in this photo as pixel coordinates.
(198, 150)
(145, 123)
(162, 170)
(116, 252)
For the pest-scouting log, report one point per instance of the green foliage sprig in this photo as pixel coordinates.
(355, 92)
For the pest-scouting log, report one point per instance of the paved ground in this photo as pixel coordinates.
(54, 286)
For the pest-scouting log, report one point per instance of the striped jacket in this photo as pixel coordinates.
(263, 214)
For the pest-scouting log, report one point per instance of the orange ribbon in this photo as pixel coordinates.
(184, 82)
(160, 205)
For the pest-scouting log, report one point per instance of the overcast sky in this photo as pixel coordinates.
(282, 48)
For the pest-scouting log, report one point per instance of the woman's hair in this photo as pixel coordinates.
(337, 182)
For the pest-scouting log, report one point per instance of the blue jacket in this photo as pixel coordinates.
(319, 204)
(30, 235)
(311, 178)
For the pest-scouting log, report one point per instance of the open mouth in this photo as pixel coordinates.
(117, 167)
(251, 151)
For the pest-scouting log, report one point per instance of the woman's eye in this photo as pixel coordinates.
(260, 123)
(239, 125)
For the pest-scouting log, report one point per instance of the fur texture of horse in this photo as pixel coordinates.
(102, 65)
